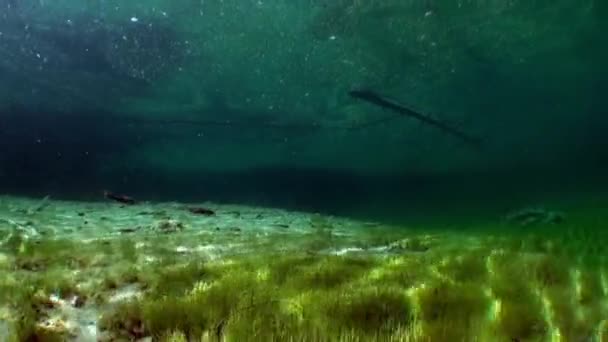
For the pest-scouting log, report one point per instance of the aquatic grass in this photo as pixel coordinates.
(56, 282)
(127, 250)
(469, 266)
(121, 274)
(589, 289)
(283, 268)
(177, 278)
(520, 285)
(206, 307)
(332, 271)
(368, 311)
(40, 254)
(27, 308)
(124, 321)
(450, 312)
(565, 314)
(175, 336)
(404, 271)
(520, 321)
(550, 271)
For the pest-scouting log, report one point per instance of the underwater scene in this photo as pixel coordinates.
(303, 170)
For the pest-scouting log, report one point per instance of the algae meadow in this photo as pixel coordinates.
(72, 271)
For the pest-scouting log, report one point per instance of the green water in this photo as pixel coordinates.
(332, 141)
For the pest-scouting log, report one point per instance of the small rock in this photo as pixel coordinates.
(348, 250)
(54, 326)
(182, 249)
(78, 301)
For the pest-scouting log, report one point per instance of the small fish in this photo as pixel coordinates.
(201, 211)
(118, 197)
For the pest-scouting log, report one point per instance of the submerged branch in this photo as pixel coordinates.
(384, 102)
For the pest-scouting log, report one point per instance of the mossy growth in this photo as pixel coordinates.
(451, 312)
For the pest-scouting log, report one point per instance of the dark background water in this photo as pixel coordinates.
(247, 102)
